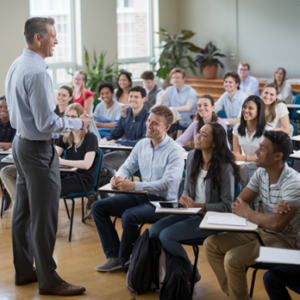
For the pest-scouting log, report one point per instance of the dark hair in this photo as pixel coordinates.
(235, 76)
(281, 142)
(261, 117)
(3, 98)
(162, 110)
(36, 25)
(102, 85)
(221, 156)
(214, 117)
(119, 90)
(68, 88)
(138, 88)
(147, 75)
(272, 113)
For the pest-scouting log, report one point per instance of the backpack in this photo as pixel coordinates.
(176, 284)
(105, 175)
(143, 272)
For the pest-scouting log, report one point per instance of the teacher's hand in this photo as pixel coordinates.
(86, 120)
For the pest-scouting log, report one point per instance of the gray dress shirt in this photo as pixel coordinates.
(29, 95)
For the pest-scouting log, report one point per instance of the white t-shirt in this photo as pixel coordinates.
(281, 111)
(113, 113)
(200, 188)
(249, 144)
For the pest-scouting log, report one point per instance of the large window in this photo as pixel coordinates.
(134, 35)
(63, 58)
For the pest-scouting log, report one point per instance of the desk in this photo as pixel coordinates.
(295, 156)
(112, 146)
(250, 227)
(296, 137)
(292, 105)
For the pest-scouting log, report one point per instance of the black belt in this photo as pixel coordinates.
(38, 141)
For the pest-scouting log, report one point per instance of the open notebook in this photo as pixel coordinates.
(181, 210)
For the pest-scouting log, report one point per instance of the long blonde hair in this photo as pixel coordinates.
(69, 137)
(272, 114)
(82, 90)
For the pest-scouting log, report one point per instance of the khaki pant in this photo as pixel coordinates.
(229, 254)
(9, 177)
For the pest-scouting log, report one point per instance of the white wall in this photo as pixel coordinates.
(14, 13)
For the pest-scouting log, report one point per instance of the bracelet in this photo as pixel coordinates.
(245, 157)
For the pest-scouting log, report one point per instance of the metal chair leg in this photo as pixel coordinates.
(72, 217)
(252, 283)
(114, 221)
(67, 209)
(2, 205)
(196, 253)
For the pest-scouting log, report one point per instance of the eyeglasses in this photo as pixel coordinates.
(72, 117)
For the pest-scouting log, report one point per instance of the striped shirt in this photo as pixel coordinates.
(287, 188)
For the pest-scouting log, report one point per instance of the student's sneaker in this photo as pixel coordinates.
(111, 264)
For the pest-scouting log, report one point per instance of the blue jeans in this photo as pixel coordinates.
(134, 210)
(175, 228)
(278, 278)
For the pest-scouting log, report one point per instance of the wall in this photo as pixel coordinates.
(12, 38)
(263, 33)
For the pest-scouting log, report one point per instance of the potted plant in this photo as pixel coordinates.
(208, 61)
(174, 53)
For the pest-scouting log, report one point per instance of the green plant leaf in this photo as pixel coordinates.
(186, 34)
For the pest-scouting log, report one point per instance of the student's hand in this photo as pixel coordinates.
(187, 202)
(86, 120)
(240, 207)
(125, 184)
(162, 98)
(103, 140)
(114, 181)
(124, 111)
(281, 208)
(185, 150)
(238, 156)
(112, 141)
(175, 119)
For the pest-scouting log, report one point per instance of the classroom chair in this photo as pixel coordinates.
(104, 132)
(294, 93)
(295, 115)
(88, 194)
(222, 114)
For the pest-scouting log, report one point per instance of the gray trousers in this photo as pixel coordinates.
(35, 216)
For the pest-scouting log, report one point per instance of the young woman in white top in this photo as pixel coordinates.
(284, 88)
(277, 114)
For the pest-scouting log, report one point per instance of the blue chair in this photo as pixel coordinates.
(195, 243)
(230, 147)
(222, 114)
(295, 115)
(178, 127)
(294, 93)
(104, 132)
(89, 194)
(294, 127)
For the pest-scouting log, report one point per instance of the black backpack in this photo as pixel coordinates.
(142, 275)
(176, 284)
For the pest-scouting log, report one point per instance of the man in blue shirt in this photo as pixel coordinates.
(249, 84)
(29, 94)
(132, 126)
(160, 161)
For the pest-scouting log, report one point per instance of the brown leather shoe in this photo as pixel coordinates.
(30, 279)
(63, 289)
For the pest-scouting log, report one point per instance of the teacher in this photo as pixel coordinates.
(31, 109)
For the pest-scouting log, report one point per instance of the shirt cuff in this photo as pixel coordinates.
(138, 186)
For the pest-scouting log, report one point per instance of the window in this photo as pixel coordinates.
(134, 35)
(63, 58)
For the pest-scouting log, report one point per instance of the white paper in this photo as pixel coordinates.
(8, 158)
(227, 220)
(279, 256)
(159, 209)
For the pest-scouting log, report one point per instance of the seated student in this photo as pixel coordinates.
(180, 96)
(229, 253)
(121, 94)
(64, 98)
(82, 152)
(249, 84)
(248, 134)
(160, 161)
(232, 100)
(279, 277)
(108, 111)
(81, 95)
(133, 126)
(152, 89)
(284, 88)
(205, 114)
(276, 112)
(209, 184)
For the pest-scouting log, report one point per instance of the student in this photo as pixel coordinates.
(81, 95)
(152, 89)
(64, 98)
(229, 253)
(124, 83)
(81, 151)
(277, 114)
(209, 184)
(231, 101)
(108, 111)
(160, 161)
(248, 134)
(180, 96)
(284, 88)
(205, 114)
(249, 84)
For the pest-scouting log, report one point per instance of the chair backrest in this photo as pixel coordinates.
(294, 127)
(230, 147)
(222, 114)
(96, 185)
(294, 93)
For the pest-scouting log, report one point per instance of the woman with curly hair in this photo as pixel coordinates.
(209, 184)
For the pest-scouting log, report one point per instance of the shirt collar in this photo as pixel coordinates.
(234, 97)
(162, 143)
(182, 90)
(37, 57)
(140, 115)
(282, 175)
(247, 79)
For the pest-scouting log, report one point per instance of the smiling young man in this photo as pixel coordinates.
(232, 100)
(249, 84)
(229, 253)
(160, 161)
(108, 111)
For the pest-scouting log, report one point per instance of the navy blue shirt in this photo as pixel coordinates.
(7, 133)
(133, 128)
